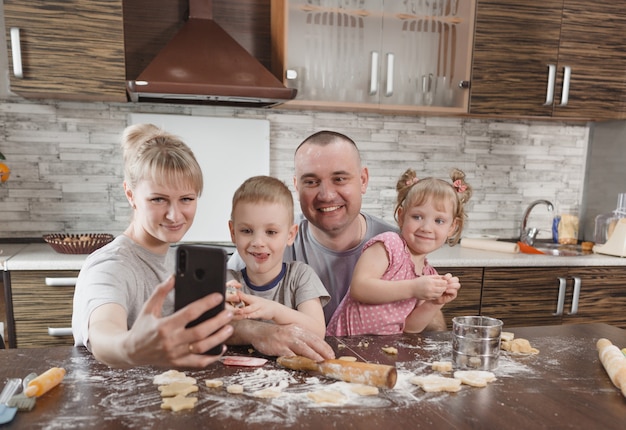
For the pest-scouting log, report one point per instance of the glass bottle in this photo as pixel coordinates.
(605, 223)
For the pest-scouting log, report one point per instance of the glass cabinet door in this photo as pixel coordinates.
(332, 48)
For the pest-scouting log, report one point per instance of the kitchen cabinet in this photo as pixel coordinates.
(554, 295)
(551, 58)
(42, 307)
(85, 50)
(376, 55)
(467, 301)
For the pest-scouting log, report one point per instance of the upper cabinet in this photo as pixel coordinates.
(549, 58)
(380, 55)
(85, 50)
(66, 49)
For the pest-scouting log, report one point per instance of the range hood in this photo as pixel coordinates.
(204, 64)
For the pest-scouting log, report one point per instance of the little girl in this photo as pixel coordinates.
(393, 288)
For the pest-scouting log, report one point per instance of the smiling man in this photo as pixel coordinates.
(331, 181)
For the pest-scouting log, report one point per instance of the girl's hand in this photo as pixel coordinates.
(256, 308)
(429, 287)
(451, 291)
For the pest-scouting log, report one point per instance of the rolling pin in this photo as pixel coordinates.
(377, 375)
(45, 382)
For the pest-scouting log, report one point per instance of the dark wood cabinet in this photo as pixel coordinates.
(523, 50)
(42, 307)
(528, 296)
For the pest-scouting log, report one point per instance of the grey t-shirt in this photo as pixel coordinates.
(334, 268)
(121, 272)
(298, 284)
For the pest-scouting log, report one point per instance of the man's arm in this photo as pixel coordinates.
(280, 340)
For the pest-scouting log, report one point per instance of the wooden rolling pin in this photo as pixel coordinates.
(377, 375)
(614, 363)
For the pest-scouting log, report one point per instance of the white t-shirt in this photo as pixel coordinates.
(120, 272)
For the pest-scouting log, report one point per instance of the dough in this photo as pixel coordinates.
(177, 388)
(327, 396)
(172, 376)
(436, 383)
(178, 403)
(347, 358)
(475, 378)
(390, 350)
(364, 390)
(268, 393)
(519, 346)
(442, 366)
(235, 389)
(214, 383)
(507, 336)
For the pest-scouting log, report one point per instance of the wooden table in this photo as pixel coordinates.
(564, 386)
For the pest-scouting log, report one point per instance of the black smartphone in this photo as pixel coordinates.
(200, 270)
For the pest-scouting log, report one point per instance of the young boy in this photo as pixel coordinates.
(261, 227)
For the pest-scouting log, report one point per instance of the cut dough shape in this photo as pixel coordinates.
(518, 346)
(436, 383)
(177, 389)
(234, 360)
(214, 383)
(347, 358)
(507, 336)
(268, 393)
(475, 378)
(390, 350)
(364, 390)
(172, 376)
(327, 396)
(442, 366)
(235, 389)
(178, 403)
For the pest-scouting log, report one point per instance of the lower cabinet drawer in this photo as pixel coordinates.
(42, 307)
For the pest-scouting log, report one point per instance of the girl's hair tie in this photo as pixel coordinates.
(411, 182)
(459, 186)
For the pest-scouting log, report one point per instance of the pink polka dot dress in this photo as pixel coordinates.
(355, 318)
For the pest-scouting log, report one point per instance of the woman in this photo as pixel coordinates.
(124, 301)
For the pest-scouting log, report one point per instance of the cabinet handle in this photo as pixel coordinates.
(60, 331)
(374, 74)
(16, 49)
(291, 74)
(560, 303)
(575, 297)
(61, 282)
(389, 86)
(567, 76)
(550, 90)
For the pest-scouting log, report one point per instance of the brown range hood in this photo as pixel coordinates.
(204, 64)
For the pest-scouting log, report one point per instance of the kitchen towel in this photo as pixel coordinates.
(490, 245)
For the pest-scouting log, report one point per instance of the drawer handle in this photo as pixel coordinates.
(60, 331)
(561, 299)
(576, 296)
(61, 282)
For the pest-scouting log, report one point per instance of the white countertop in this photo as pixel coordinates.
(40, 256)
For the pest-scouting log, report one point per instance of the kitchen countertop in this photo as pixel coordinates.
(563, 386)
(40, 256)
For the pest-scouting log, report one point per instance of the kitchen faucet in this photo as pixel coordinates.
(527, 235)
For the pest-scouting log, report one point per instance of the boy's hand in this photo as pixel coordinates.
(256, 308)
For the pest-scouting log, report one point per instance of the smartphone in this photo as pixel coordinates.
(200, 270)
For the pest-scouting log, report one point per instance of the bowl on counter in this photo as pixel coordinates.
(77, 243)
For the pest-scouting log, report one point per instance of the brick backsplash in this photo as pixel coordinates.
(67, 174)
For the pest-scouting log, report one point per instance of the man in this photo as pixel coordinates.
(330, 181)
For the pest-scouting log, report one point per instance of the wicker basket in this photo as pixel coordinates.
(77, 243)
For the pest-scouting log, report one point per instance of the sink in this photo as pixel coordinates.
(550, 248)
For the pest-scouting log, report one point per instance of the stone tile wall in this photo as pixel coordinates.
(67, 167)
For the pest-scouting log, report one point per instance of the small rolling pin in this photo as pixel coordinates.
(45, 382)
(377, 375)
